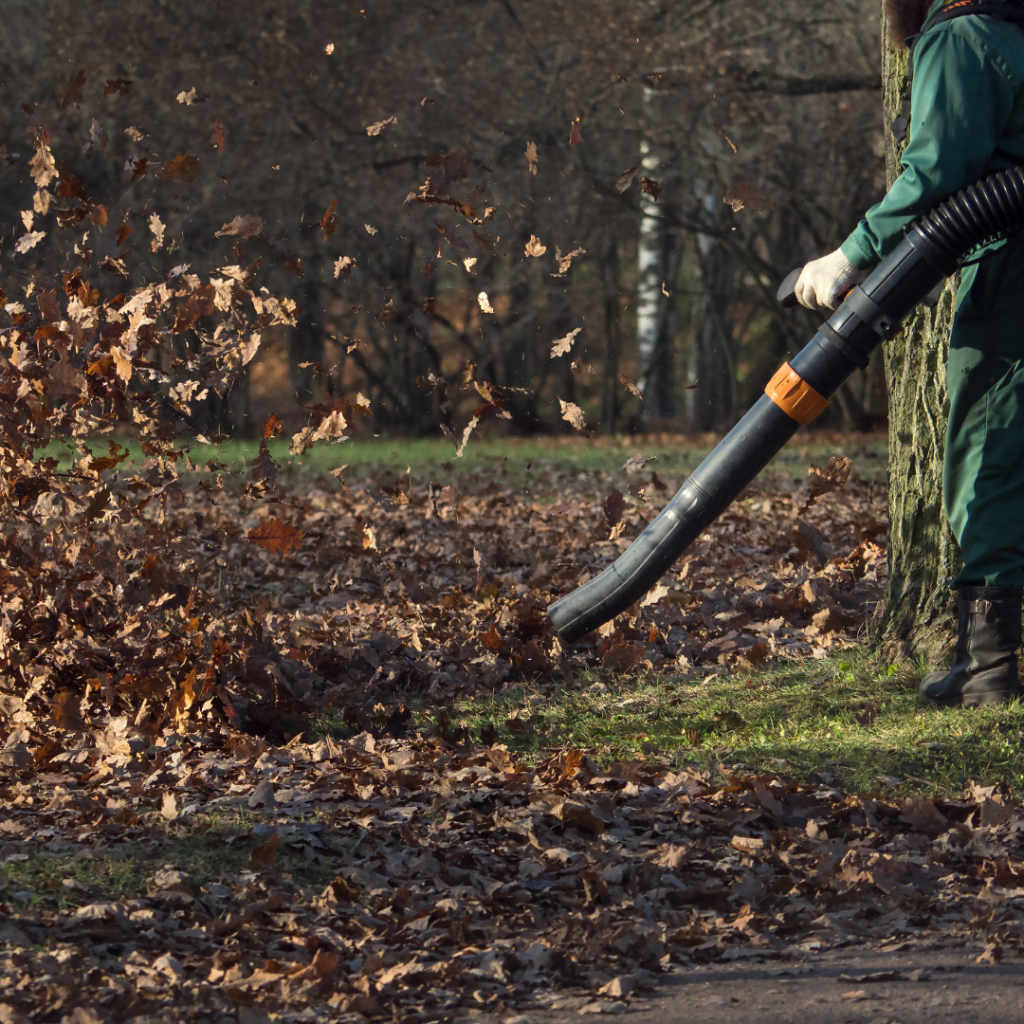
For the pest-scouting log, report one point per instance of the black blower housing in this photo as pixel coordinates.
(871, 313)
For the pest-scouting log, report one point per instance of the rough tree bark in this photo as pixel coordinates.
(923, 555)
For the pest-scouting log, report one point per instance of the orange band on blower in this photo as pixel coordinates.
(794, 396)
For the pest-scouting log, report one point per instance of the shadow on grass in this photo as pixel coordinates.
(208, 851)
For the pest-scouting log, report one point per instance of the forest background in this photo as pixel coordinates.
(410, 175)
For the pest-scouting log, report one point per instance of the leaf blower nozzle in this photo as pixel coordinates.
(800, 391)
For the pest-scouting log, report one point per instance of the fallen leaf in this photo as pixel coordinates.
(263, 856)
(276, 536)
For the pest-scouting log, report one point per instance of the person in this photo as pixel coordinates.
(966, 122)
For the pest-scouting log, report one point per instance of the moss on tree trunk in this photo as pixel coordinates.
(923, 555)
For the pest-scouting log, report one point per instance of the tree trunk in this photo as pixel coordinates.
(610, 284)
(655, 322)
(923, 555)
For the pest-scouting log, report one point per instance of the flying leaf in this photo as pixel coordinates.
(380, 127)
(29, 241)
(630, 386)
(272, 426)
(157, 226)
(719, 129)
(246, 225)
(328, 222)
(181, 168)
(743, 196)
(531, 156)
(73, 90)
(275, 535)
(625, 180)
(575, 135)
(613, 506)
(115, 85)
(573, 415)
(191, 97)
(535, 247)
(635, 463)
(834, 475)
(169, 806)
(485, 303)
(218, 134)
(139, 168)
(563, 345)
(343, 264)
(564, 262)
(42, 164)
(651, 187)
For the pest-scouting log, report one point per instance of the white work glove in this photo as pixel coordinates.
(823, 281)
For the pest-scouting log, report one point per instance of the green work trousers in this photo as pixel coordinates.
(983, 473)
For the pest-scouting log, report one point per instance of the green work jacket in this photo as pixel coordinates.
(967, 121)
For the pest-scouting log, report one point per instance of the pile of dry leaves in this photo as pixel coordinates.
(466, 882)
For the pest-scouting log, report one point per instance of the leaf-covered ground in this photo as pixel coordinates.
(251, 603)
(243, 780)
(413, 880)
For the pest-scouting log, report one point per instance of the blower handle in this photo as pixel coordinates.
(786, 295)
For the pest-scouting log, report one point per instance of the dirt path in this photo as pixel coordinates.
(842, 986)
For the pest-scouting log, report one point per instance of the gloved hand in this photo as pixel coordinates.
(822, 281)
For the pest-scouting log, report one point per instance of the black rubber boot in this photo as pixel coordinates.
(988, 635)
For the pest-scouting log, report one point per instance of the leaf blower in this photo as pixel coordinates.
(871, 312)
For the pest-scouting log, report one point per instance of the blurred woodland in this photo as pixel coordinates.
(416, 177)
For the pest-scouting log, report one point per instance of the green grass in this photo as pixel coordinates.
(199, 847)
(843, 717)
(514, 461)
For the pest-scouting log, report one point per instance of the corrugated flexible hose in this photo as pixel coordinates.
(800, 391)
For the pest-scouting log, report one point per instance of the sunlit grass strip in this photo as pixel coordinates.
(840, 719)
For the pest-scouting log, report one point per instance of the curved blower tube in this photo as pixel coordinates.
(871, 313)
